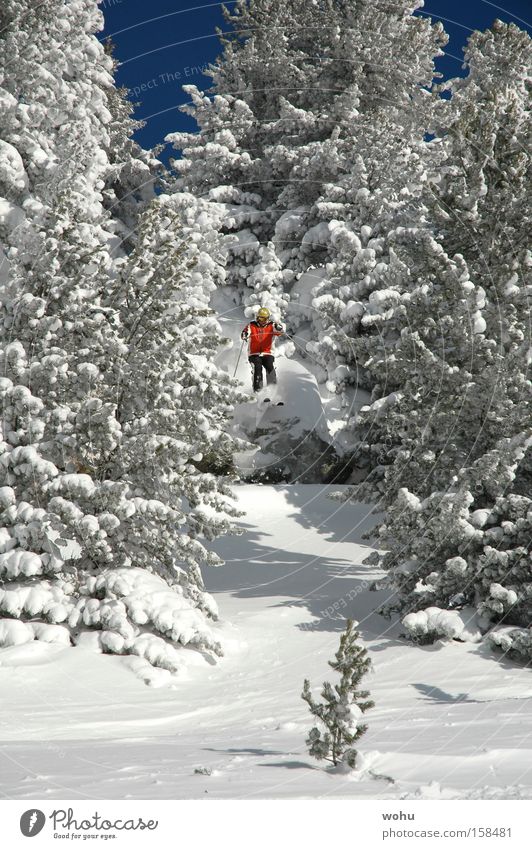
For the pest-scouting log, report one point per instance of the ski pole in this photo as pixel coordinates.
(239, 355)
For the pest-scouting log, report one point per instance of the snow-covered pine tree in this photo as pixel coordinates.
(483, 204)
(53, 164)
(278, 129)
(373, 212)
(455, 431)
(343, 704)
(482, 192)
(433, 384)
(42, 82)
(133, 172)
(446, 552)
(111, 399)
(50, 343)
(99, 541)
(454, 351)
(181, 402)
(64, 123)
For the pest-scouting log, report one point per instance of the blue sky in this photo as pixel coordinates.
(165, 44)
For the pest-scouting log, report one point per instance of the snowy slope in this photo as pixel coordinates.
(296, 441)
(451, 720)
(301, 385)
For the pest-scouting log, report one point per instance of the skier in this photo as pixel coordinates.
(260, 334)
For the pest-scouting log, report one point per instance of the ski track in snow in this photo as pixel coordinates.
(451, 720)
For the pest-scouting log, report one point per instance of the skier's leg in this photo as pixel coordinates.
(256, 366)
(271, 376)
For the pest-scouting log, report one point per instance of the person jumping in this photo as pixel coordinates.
(260, 335)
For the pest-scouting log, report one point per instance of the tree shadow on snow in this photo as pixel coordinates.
(330, 588)
(244, 751)
(337, 521)
(510, 665)
(434, 694)
(292, 765)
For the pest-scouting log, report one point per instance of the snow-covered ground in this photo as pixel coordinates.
(298, 434)
(451, 720)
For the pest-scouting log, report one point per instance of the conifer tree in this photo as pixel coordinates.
(483, 205)
(133, 172)
(343, 704)
(450, 367)
(467, 546)
(447, 440)
(434, 386)
(295, 93)
(113, 411)
(110, 401)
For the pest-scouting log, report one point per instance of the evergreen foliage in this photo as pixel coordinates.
(302, 93)
(310, 187)
(110, 394)
(446, 442)
(343, 704)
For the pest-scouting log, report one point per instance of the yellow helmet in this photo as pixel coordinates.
(264, 312)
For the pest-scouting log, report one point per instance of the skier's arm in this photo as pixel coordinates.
(245, 333)
(278, 329)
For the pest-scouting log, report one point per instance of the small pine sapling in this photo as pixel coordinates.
(343, 704)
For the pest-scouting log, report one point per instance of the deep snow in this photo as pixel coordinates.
(298, 434)
(451, 720)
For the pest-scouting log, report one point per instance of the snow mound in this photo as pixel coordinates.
(13, 632)
(123, 611)
(293, 440)
(433, 623)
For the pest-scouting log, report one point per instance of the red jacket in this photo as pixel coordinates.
(261, 336)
